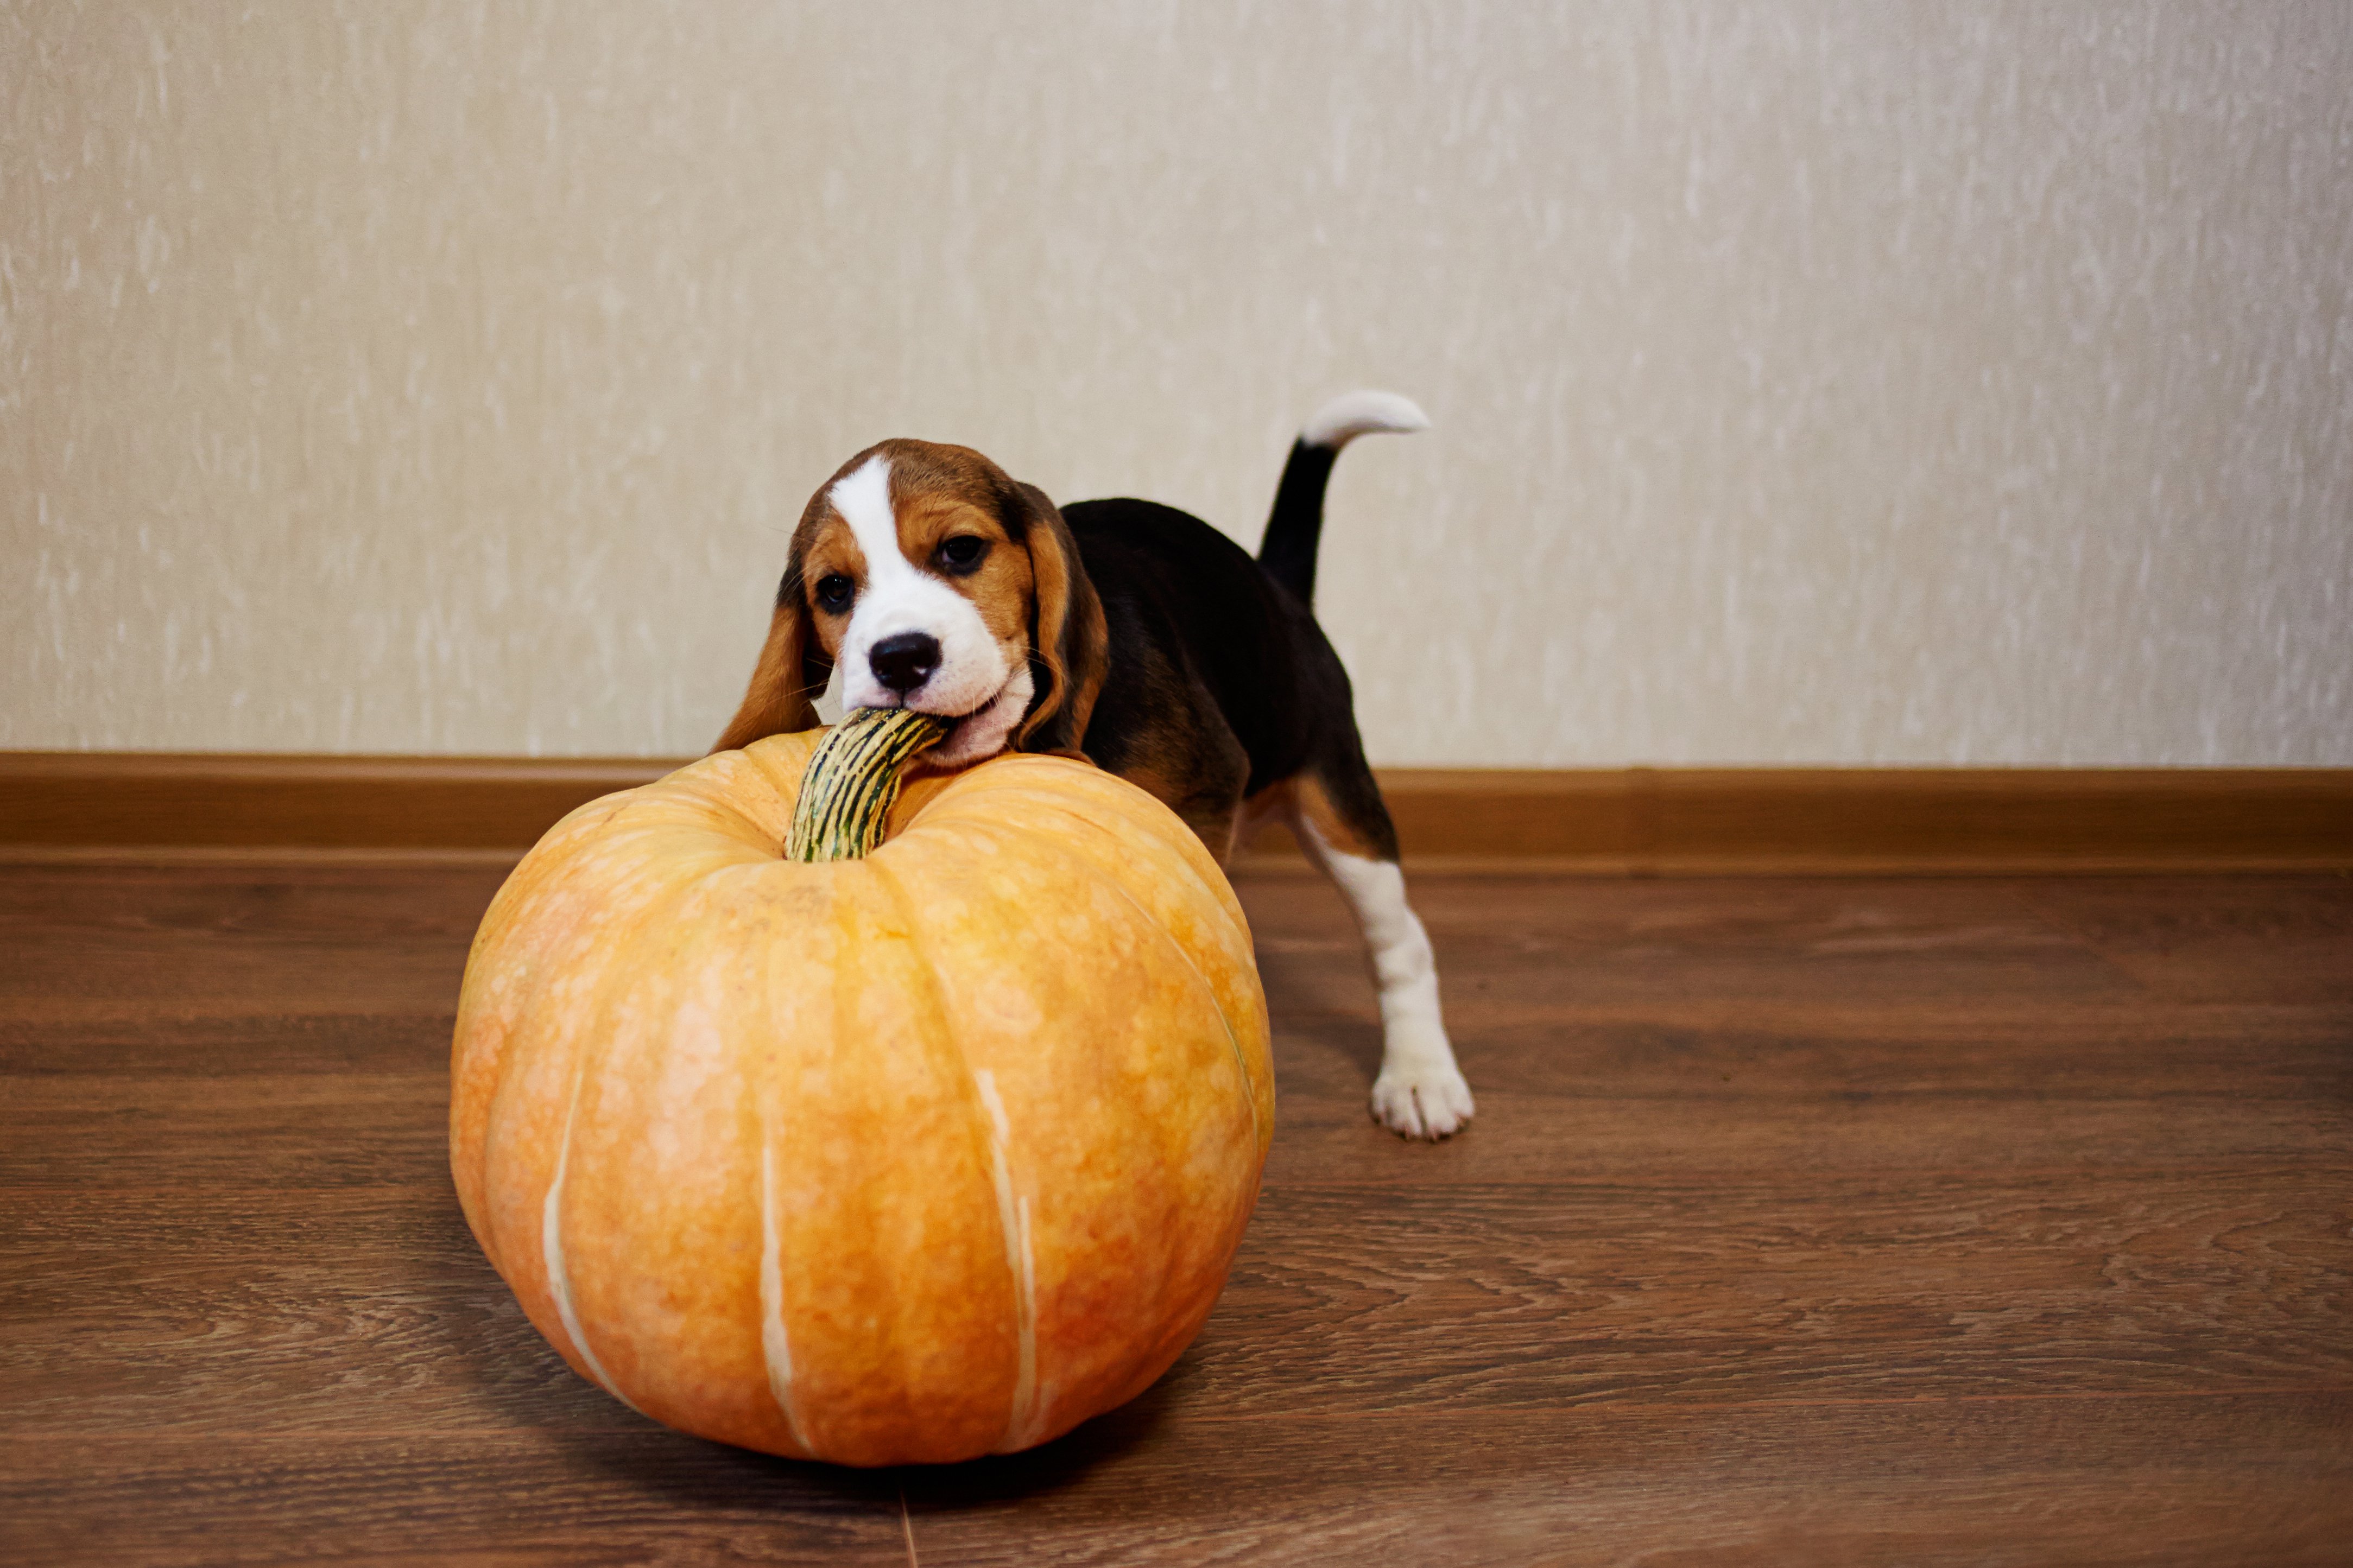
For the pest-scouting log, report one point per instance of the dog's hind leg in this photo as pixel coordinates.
(1345, 828)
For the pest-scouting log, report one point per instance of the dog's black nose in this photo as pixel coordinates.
(906, 661)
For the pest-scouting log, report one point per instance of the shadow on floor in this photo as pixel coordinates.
(707, 1476)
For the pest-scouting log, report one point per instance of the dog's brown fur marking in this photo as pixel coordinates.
(1315, 806)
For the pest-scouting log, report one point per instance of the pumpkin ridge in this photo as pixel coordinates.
(761, 1089)
(991, 1110)
(1261, 1135)
(897, 1349)
(595, 1045)
(1148, 921)
(1031, 1401)
(533, 910)
(731, 878)
(516, 902)
(1156, 930)
(1033, 1419)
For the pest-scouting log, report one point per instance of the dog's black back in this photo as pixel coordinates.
(1221, 684)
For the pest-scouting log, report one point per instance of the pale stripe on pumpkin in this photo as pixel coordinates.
(1014, 1216)
(551, 1243)
(774, 1346)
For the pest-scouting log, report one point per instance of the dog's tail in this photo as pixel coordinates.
(1294, 527)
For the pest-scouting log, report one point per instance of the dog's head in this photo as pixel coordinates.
(934, 582)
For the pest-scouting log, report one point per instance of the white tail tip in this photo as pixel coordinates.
(1355, 414)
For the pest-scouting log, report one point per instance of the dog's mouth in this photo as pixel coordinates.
(949, 720)
(950, 723)
(974, 725)
(983, 729)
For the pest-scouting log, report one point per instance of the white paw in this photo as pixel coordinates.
(1422, 1100)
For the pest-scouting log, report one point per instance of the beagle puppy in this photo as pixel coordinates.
(1132, 634)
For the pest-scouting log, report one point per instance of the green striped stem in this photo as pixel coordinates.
(852, 778)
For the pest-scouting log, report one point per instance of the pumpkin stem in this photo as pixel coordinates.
(852, 778)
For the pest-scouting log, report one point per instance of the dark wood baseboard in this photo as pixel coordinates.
(138, 801)
(1637, 821)
(1805, 821)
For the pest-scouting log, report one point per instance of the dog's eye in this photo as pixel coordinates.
(836, 592)
(962, 553)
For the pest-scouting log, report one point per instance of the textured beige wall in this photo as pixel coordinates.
(1857, 383)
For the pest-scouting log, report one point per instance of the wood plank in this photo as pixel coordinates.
(2187, 1480)
(135, 942)
(236, 1044)
(333, 1130)
(364, 1307)
(1898, 1289)
(2192, 940)
(1572, 944)
(2138, 1049)
(2255, 1479)
(1670, 821)
(591, 1498)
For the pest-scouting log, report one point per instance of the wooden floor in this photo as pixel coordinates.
(1807, 1221)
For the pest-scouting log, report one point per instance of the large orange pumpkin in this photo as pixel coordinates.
(908, 1158)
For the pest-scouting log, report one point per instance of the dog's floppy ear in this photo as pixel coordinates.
(1070, 646)
(786, 680)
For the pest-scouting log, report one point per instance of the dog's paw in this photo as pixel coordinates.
(1422, 1100)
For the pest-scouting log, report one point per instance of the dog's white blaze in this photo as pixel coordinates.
(551, 1248)
(1419, 1075)
(900, 596)
(775, 1347)
(1355, 414)
(862, 497)
(1014, 1216)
